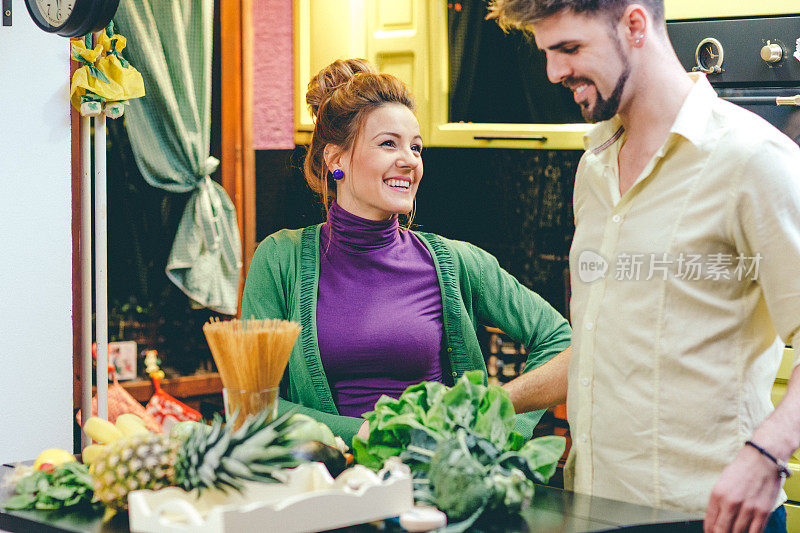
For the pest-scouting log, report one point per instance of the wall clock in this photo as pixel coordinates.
(72, 18)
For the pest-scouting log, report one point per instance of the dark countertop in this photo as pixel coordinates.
(552, 510)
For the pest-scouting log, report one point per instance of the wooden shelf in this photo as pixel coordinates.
(183, 388)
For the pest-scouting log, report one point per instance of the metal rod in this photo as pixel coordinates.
(101, 263)
(752, 100)
(85, 247)
(538, 138)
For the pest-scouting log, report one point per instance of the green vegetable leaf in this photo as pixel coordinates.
(59, 492)
(495, 417)
(515, 441)
(543, 454)
(69, 484)
(73, 501)
(20, 501)
(29, 484)
(43, 483)
(47, 503)
(460, 444)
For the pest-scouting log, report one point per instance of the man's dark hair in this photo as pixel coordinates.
(521, 14)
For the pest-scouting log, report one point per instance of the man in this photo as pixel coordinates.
(684, 270)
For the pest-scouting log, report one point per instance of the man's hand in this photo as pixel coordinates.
(744, 496)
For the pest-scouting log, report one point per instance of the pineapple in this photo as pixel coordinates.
(220, 458)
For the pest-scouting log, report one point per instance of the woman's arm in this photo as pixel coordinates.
(264, 295)
(526, 317)
(342, 426)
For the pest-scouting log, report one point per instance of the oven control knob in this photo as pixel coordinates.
(771, 53)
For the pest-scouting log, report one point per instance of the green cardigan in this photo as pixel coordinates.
(282, 283)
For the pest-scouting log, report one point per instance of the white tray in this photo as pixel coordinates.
(308, 500)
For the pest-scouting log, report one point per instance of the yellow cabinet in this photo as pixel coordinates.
(324, 30)
(782, 379)
(397, 43)
(792, 518)
(692, 9)
(407, 38)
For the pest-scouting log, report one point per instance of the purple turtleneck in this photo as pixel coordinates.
(379, 310)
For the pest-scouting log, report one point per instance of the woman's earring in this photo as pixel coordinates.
(338, 174)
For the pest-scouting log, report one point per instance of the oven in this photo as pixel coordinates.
(752, 62)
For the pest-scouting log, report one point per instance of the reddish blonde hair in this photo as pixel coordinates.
(340, 97)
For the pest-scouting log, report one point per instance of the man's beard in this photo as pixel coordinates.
(605, 108)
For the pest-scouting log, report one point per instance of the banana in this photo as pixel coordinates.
(93, 452)
(130, 424)
(102, 430)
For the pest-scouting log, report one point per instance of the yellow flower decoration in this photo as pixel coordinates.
(106, 42)
(110, 78)
(80, 52)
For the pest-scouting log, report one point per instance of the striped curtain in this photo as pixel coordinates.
(170, 43)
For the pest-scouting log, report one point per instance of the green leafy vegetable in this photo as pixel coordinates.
(68, 485)
(438, 410)
(460, 444)
(467, 476)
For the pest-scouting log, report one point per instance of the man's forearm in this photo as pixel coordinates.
(542, 387)
(780, 432)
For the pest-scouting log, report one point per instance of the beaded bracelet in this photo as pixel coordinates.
(783, 468)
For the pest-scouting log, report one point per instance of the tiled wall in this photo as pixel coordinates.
(516, 204)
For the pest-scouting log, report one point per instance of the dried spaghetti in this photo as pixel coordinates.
(251, 356)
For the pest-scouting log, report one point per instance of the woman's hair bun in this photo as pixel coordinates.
(331, 78)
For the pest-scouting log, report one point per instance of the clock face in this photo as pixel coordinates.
(709, 56)
(71, 18)
(55, 12)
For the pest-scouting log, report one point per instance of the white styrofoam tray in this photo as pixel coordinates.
(308, 500)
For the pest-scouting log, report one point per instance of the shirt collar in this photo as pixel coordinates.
(690, 122)
(696, 109)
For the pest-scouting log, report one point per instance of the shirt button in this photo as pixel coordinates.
(455, 374)
(584, 437)
(449, 350)
(616, 218)
(585, 382)
(589, 326)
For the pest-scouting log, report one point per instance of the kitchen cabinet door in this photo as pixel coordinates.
(397, 43)
(324, 30)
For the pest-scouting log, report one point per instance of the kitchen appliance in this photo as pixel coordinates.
(752, 62)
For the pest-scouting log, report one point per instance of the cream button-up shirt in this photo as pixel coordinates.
(684, 291)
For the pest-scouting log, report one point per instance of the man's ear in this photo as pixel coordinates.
(636, 24)
(332, 155)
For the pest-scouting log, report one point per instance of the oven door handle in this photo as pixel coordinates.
(764, 100)
(788, 100)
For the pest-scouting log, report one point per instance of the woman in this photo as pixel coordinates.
(383, 307)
